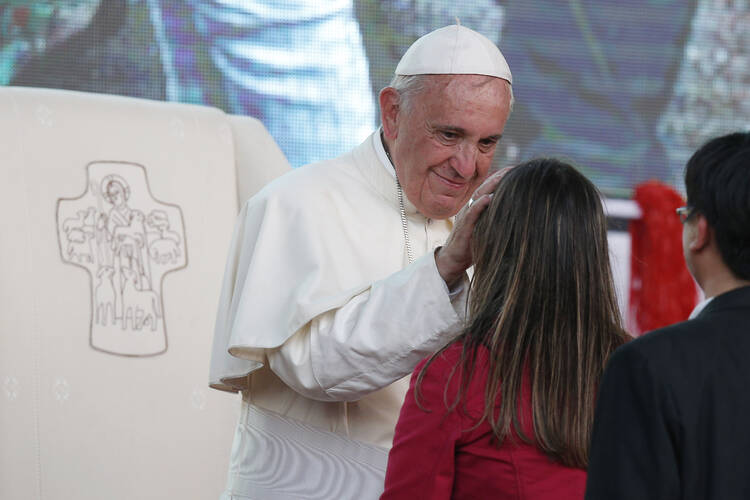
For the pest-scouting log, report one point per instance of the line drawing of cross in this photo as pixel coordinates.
(127, 241)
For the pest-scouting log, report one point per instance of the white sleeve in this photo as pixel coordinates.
(374, 339)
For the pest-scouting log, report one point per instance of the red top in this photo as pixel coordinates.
(438, 454)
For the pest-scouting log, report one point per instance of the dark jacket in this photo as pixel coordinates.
(673, 413)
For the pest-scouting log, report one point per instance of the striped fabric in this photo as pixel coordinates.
(276, 457)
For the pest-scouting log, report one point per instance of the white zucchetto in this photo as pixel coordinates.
(454, 50)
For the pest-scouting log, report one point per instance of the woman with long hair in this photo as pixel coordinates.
(505, 410)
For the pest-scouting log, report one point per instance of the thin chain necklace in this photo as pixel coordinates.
(401, 207)
(409, 253)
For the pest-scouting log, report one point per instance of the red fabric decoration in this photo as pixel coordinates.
(662, 291)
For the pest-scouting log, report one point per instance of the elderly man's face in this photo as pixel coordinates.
(443, 145)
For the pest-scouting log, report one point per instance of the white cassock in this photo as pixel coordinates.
(321, 319)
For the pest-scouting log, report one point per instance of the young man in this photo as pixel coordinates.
(672, 415)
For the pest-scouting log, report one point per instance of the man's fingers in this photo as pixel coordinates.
(486, 189)
(480, 204)
(474, 209)
(489, 185)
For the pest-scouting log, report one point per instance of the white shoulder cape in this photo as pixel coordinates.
(307, 243)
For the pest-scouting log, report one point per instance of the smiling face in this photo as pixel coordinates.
(443, 144)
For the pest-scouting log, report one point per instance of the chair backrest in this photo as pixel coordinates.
(116, 216)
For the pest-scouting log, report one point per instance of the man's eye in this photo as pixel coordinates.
(448, 135)
(487, 144)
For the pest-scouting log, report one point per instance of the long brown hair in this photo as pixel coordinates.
(541, 300)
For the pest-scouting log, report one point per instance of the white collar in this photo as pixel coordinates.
(699, 307)
(380, 152)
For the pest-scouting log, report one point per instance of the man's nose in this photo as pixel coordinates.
(465, 160)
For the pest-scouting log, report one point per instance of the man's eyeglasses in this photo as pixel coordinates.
(684, 213)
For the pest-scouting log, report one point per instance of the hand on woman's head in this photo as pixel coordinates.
(453, 258)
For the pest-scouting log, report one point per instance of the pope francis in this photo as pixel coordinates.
(343, 274)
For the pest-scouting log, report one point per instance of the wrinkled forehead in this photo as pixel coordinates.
(449, 82)
(466, 88)
(485, 100)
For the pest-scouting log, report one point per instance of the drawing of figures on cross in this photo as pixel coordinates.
(127, 241)
(126, 234)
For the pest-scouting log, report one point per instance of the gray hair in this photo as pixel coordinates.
(409, 86)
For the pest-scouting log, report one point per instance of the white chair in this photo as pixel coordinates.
(116, 216)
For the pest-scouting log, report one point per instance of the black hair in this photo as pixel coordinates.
(717, 181)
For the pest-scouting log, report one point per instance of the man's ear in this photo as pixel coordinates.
(389, 108)
(700, 234)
